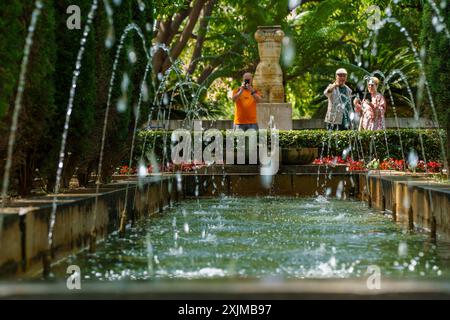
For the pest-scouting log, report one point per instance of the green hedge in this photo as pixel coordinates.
(334, 142)
(384, 144)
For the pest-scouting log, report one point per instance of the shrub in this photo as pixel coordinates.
(365, 145)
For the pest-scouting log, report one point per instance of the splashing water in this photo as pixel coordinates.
(127, 30)
(136, 121)
(288, 238)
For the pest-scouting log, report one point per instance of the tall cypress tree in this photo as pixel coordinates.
(83, 114)
(12, 38)
(49, 78)
(121, 125)
(38, 99)
(103, 66)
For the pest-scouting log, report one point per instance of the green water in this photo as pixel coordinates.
(286, 238)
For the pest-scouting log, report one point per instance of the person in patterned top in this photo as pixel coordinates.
(371, 110)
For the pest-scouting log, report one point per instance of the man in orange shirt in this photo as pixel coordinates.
(245, 98)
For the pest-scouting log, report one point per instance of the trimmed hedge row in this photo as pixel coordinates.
(369, 144)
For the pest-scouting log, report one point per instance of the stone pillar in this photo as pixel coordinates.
(268, 80)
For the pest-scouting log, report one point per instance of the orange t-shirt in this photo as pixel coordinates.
(245, 108)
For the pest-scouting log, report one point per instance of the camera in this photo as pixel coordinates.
(246, 82)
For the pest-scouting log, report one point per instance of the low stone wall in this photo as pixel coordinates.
(297, 124)
(342, 185)
(413, 200)
(248, 289)
(24, 240)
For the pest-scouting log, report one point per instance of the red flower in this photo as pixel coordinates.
(434, 167)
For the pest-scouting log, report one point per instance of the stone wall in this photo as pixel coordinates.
(414, 201)
(297, 124)
(343, 185)
(24, 240)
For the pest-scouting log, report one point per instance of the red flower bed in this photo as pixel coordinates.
(123, 170)
(170, 167)
(434, 167)
(388, 164)
(356, 165)
(393, 164)
(183, 167)
(353, 165)
(330, 160)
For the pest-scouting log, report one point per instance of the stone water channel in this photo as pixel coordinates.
(226, 227)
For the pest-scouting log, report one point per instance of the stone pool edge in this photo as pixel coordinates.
(26, 226)
(25, 229)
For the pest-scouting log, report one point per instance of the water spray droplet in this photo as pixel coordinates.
(122, 105)
(142, 170)
(402, 249)
(288, 51)
(132, 57)
(413, 159)
(125, 82)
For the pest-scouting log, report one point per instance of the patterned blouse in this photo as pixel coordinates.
(372, 118)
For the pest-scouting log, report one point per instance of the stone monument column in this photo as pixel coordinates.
(268, 80)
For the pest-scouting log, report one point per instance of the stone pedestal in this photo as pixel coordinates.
(281, 113)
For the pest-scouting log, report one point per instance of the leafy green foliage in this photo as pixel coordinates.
(12, 38)
(437, 63)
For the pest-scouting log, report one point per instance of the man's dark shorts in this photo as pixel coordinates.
(246, 127)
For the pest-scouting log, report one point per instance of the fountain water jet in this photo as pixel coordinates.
(405, 32)
(144, 79)
(127, 30)
(73, 89)
(413, 105)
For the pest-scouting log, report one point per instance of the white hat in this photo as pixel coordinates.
(341, 71)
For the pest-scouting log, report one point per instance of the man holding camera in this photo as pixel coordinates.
(339, 103)
(245, 98)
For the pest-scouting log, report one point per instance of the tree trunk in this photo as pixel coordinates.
(201, 36)
(178, 47)
(26, 176)
(207, 71)
(163, 35)
(167, 31)
(84, 173)
(176, 23)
